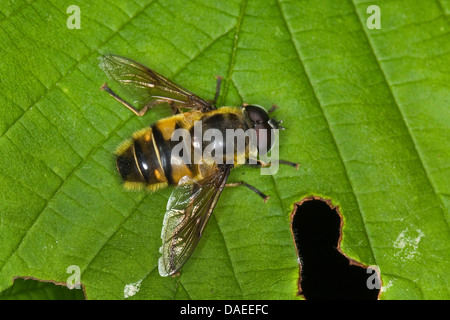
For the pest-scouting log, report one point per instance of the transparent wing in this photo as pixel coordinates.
(149, 88)
(188, 210)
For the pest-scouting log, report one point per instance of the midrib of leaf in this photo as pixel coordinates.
(179, 70)
(282, 14)
(222, 98)
(397, 104)
(233, 52)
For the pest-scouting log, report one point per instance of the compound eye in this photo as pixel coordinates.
(257, 114)
(260, 120)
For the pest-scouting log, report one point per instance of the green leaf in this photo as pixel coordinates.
(366, 112)
(29, 289)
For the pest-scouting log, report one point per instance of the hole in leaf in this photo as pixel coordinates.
(32, 289)
(326, 273)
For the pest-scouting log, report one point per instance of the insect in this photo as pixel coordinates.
(147, 161)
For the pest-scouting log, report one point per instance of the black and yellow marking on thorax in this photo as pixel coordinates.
(224, 119)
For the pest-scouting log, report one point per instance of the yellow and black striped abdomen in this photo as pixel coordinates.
(146, 159)
(138, 162)
(172, 163)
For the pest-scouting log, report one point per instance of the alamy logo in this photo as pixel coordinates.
(73, 281)
(73, 21)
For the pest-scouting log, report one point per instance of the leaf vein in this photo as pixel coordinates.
(76, 65)
(283, 18)
(408, 129)
(233, 51)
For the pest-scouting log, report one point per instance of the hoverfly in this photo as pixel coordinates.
(146, 160)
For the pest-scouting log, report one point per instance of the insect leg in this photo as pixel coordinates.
(259, 163)
(289, 163)
(274, 107)
(242, 183)
(137, 112)
(218, 84)
(175, 110)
